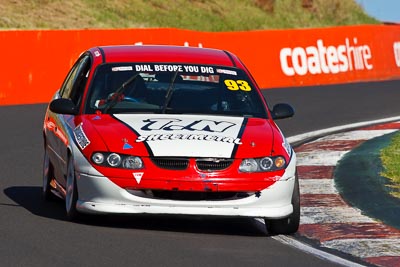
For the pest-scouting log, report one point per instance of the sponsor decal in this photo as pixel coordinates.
(122, 68)
(174, 68)
(322, 59)
(126, 144)
(138, 176)
(97, 53)
(168, 124)
(396, 48)
(81, 137)
(178, 125)
(186, 135)
(202, 137)
(229, 72)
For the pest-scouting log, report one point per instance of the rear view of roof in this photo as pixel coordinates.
(163, 53)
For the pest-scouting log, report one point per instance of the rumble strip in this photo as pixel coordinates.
(326, 217)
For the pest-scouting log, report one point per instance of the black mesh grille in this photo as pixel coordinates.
(183, 163)
(171, 163)
(213, 164)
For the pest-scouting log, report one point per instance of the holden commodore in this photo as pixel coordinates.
(168, 130)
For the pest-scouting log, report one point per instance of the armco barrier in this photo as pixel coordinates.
(34, 63)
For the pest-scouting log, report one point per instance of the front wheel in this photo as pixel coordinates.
(289, 225)
(71, 196)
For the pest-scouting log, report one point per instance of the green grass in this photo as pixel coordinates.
(390, 157)
(203, 15)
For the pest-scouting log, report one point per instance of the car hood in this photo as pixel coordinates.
(169, 135)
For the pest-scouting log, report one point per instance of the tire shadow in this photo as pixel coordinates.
(30, 198)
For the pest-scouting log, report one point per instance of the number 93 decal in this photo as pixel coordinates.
(236, 85)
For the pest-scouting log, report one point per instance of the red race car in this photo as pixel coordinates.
(168, 130)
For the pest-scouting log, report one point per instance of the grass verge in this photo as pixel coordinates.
(390, 157)
(203, 15)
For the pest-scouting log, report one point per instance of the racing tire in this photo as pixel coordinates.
(288, 225)
(71, 195)
(48, 176)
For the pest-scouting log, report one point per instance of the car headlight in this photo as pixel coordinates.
(117, 160)
(114, 160)
(262, 164)
(98, 158)
(132, 163)
(248, 165)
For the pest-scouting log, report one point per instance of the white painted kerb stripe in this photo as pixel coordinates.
(318, 186)
(343, 214)
(319, 158)
(365, 248)
(356, 135)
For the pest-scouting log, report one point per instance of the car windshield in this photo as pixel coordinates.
(173, 88)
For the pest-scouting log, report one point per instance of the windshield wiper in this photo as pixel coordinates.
(116, 95)
(169, 93)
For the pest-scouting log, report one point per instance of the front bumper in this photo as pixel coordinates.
(97, 195)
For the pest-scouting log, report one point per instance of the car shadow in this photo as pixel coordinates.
(30, 198)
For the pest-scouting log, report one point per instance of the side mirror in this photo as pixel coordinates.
(63, 106)
(282, 111)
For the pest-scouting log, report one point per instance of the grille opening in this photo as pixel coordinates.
(213, 164)
(206, 164)
(171, 163)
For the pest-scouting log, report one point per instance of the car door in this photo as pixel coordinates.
(62, 134)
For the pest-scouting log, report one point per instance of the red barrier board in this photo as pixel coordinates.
(34, 63)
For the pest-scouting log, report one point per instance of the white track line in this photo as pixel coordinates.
(290, 241)
(305, 136)
(356, 135)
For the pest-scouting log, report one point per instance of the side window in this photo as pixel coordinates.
(75, 82)
(80, 80)
(69, 81)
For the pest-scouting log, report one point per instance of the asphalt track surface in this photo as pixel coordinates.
(36, 233)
